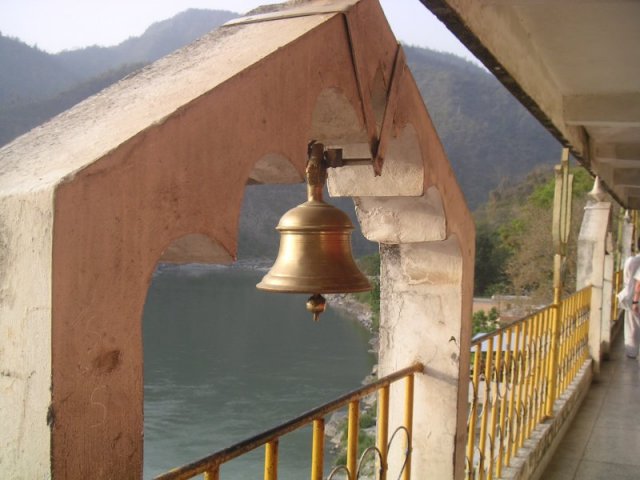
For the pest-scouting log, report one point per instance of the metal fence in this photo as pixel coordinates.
(517, 373)
(210, 465)
(617, 286)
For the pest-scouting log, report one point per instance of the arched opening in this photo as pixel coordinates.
(224, 361)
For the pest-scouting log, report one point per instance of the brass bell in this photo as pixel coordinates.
(315, 245)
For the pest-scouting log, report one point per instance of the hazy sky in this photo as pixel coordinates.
(55, 25)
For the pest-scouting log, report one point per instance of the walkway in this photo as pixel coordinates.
(604, 440)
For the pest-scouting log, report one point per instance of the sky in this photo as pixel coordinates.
(56, 25)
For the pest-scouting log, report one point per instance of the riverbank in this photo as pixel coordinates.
(359, 311)
(337, 424)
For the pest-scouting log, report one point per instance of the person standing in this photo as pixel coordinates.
(630, 301)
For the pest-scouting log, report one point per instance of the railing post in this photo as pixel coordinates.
(608, 294)
(271, 460)
(552, 372)
(213, 473)
(408, 423)
(592, 270)
(353, 429)
(317, 454)
(473, 414)
(560, 227)
(383, 429)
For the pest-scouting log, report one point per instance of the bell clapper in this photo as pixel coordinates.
(316, 304)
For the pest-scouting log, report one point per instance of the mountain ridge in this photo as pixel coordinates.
(488, 136)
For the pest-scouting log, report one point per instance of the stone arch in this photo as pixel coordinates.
(273, 168)
(195, 248)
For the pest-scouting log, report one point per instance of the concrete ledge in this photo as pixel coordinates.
(533, 458)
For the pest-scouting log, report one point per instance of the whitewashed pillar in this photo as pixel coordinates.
(591, 271)
(607, 297)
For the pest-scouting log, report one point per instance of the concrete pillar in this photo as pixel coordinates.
(420, 311)
(627, 241)
(25, 332)
(591, 271)
(424, 284)
(607, 297)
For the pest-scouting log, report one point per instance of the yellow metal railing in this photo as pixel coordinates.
(617, 286)
(517, 374)
(210, 465)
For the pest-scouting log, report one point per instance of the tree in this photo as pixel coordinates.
(530, 266)
(485, 323)
(491, 260)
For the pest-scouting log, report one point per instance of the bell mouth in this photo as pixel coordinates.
(282, 283)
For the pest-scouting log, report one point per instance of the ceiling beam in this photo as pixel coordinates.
(618, 152)
(629, 177)
(602, 110)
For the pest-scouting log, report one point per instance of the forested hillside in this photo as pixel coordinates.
(488, 136)
(35, 86)
(28, 75)
(514, 247)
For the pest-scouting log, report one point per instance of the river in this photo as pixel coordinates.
(224, 361)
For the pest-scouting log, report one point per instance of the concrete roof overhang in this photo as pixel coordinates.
(574, 65)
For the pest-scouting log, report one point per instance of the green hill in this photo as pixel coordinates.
(28, 74)
(488, 136)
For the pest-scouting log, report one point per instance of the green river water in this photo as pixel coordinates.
(223, 361)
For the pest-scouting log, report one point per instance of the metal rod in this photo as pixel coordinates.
(317, 451)
(521, 390)
(271, 460)
(494, 407)
(530, 378)
(563, 347)
(554, 349)
(408, 423)
(540, 370)
(383, 429)
(473, 414)
(513, 399)
(353, 429)
(485, 406)
(213, 473)
(506, 373)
